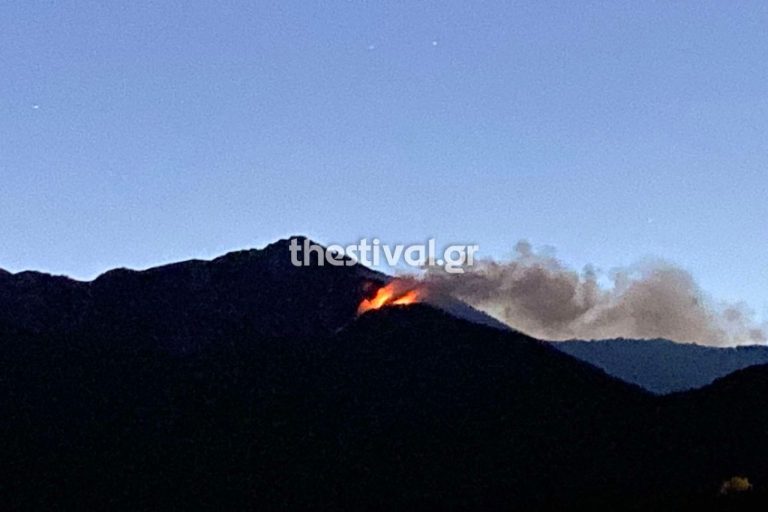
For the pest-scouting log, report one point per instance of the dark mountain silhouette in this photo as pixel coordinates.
(731, 420)
(404, 407)
(245, 383)
(721, 430)
(663, 366)
(186, 305)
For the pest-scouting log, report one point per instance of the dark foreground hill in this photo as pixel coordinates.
(663, 366)
(405, 407)
(306, 408)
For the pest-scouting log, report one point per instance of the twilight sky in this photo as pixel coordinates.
(156, 131)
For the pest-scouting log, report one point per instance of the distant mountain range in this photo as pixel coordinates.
(663, 366)
(247, 383)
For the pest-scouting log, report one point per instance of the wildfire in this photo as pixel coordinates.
(391, 294)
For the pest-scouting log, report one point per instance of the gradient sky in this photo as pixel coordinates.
(155, 131)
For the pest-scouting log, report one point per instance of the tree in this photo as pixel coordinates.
(736, 484)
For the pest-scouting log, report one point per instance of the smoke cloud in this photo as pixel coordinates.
(537, 294)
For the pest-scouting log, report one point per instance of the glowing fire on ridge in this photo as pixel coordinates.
(391, 294)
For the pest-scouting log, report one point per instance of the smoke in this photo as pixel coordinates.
(537, 294)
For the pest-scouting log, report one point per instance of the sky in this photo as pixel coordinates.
(137, 134)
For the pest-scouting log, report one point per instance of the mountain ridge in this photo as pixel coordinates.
(664, 366)
(250, 382)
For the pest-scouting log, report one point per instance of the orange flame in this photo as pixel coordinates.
(389, 295)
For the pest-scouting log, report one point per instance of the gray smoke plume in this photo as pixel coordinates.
(537, 294)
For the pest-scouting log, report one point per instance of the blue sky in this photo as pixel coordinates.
(155, 131)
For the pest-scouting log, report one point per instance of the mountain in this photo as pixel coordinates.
(186, 305)
(663, 366)
(404, 407)
(246, 383)
(722, 431)
(441, 413)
